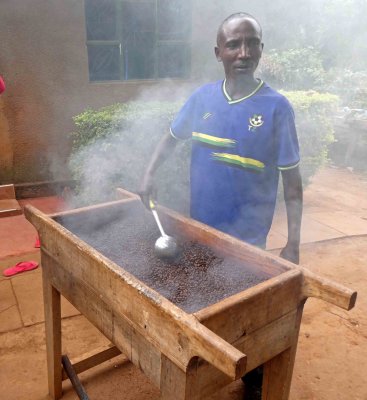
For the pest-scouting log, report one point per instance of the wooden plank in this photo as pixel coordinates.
(328, 290)
(97, 209)
(125, 194)
(10, 208)
(146, 356)
(7, 192)
(224, 244)
(270, 340)
(239, 315)
(278, 371)
(275, 376)
(149, 312)
(116, 328)
(175, 383)
(52, 307)
(260, 346)
(92, 358)
(141, 352)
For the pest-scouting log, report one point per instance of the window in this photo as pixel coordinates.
(138, 39)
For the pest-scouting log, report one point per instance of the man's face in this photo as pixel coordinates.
(239, 47)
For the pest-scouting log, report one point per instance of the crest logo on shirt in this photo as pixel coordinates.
(255, 121)
(207, 115)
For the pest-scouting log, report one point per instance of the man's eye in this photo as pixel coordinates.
(254, 43)
(232, 45)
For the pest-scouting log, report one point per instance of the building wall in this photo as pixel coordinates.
(43, 60)
(6, 146)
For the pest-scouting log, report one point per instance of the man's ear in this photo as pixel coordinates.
(216, 50)
(262, 48)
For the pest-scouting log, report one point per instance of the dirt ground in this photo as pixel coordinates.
(332, 349)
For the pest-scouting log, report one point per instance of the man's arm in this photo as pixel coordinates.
(160, 154)
(293, 196)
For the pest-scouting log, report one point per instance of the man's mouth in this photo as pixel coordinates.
(243, 66)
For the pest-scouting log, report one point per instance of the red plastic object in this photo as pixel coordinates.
(22, 266)
(2, 85)
(38, 243)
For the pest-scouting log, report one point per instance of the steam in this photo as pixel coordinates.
(123, 156)
(284, 27)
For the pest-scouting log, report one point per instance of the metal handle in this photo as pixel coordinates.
(155, 214)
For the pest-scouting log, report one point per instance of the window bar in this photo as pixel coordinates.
(156, 53)
(120, 37)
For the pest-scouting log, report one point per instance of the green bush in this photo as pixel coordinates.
(293, 69)
(350, 86)
(112, 146)
(314, 116)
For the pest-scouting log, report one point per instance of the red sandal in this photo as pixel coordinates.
(20, 267)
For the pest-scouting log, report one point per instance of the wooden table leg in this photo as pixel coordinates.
(278, 371)
(52, 308)
(175, 383)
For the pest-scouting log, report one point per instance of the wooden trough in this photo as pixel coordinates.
(187, 355)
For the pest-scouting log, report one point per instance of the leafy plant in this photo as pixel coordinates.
(350, 86)
(314, 114)
(293, 69)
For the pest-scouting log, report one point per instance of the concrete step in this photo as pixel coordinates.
(7, 192)
(9, 208)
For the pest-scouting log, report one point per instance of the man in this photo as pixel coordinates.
(243, 133)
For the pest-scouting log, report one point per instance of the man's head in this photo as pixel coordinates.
(239, 45)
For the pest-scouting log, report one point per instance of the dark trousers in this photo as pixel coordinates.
(253, 381)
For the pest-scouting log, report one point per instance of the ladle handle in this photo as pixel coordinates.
(155, 214)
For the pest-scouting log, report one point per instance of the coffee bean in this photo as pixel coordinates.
(196, 279)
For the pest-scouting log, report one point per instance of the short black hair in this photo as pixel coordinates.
(234, 16)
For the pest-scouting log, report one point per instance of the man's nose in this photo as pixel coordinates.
(243, 51)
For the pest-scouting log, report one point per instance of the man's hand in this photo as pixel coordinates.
(291, 253)
(147, 191)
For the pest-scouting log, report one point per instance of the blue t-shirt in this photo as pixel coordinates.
(238, 148)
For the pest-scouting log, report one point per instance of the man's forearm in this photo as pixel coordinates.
(294, 218)
(161, 153)
(293, 196)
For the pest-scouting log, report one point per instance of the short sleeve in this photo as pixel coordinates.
(286, 134)
(182, 125)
